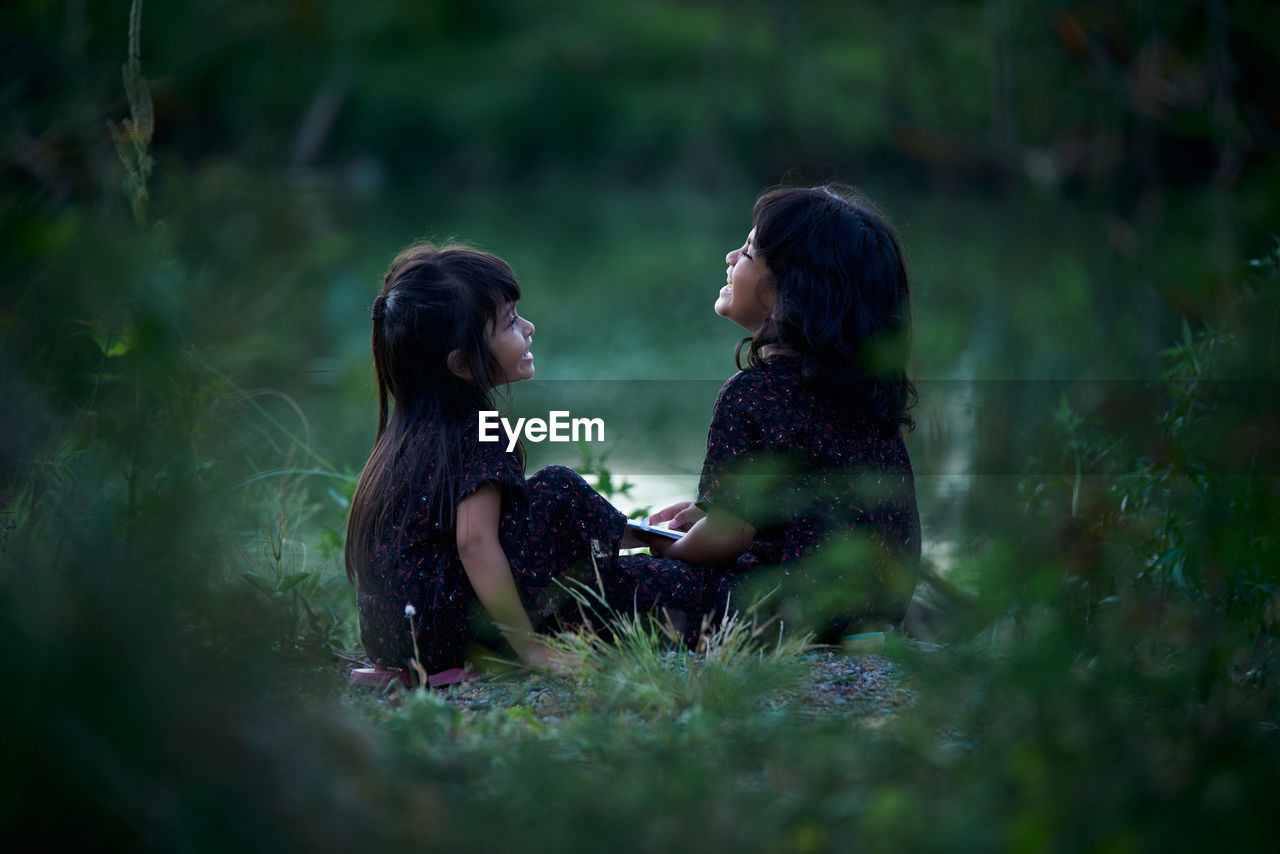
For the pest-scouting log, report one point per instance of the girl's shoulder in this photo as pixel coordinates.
(780, 374)
(489, 460)
(762, 391)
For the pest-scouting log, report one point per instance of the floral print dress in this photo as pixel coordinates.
(552, 526)
(831, 495)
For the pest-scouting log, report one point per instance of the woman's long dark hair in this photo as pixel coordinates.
(842, 299)
(434, 301)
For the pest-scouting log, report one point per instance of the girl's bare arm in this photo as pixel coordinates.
(681, 515)
(489, 572)
(715, 538)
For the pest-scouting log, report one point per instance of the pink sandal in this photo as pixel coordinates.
(380, 677)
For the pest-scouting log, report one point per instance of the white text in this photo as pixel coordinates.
(558, 427)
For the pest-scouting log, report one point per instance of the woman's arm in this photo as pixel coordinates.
(715, 538)
(489, 572)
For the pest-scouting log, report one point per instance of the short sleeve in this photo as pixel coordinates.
(742, 467)
(488, 461)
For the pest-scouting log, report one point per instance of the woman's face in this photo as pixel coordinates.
(747, 297)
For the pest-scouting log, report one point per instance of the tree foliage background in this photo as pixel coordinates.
(197, 201)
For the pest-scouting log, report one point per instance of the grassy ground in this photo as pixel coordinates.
(866, 688)
(644, 747)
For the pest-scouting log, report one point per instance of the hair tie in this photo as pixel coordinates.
(379, 308)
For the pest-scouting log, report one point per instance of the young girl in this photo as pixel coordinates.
(442, 521)
(806, 484)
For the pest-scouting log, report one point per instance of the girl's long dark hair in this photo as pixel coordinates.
(842, 298)
(434, 301)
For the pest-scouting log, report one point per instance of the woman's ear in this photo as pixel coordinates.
(458, 365)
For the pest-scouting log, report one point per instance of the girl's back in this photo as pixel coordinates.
(415, 560)
(806, 468)
(826, 488)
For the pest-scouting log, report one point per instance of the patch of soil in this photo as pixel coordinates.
(867, 686)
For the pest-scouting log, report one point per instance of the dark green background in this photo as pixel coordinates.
(1073, 182)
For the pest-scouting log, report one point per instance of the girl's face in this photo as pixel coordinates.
(747, 298)
(509, 340)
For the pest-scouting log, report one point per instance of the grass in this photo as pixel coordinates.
(640, 664)
(644, 746)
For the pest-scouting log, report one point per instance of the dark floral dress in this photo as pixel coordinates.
(830, 494)
(551, 526)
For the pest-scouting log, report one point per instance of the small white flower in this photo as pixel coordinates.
(410, 611)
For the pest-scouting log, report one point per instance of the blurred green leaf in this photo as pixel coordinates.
(292, 580)
(259, 583)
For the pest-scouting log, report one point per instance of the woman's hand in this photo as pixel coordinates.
(682, 515)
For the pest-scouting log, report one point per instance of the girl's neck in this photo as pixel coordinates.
(771, 351)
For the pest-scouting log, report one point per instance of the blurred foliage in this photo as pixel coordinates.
(195, 206)
(1184, 511)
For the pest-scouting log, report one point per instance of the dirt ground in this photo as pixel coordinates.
(865, 685)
